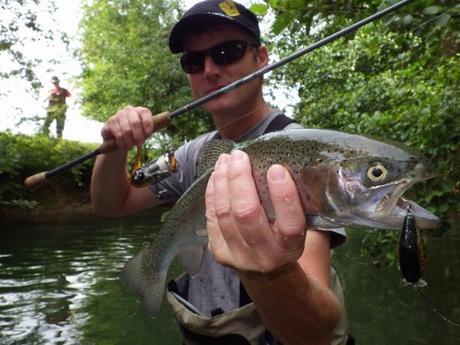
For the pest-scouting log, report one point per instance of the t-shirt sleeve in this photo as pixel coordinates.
(172, 188)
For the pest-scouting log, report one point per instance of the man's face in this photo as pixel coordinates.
(214, 77)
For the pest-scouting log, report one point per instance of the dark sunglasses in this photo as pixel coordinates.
(224, 53)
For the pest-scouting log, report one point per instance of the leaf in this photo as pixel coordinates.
(443, 20)
(281, 22)
(431, 10)
(296, 4)
(275, 4)
(259, 9)
(408, 19)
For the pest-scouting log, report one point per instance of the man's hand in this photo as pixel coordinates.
(240, 234)
(129, 126)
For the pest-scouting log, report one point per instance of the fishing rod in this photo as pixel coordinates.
(163, 119)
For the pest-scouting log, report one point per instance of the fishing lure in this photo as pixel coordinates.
(412, 254)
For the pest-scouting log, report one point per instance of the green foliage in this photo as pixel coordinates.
(127, 62)
(397, 78)
(394, 84)
(22, 156)
(381, 246)
(22, 204)
(20, 23)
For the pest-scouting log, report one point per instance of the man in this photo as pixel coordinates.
(283, 269)
(56, 109)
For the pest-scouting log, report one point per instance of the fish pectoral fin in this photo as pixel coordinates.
(318, 221)
(190, 258)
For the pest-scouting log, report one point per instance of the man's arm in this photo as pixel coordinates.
(285, 272)
(295, 300)
(111, 193)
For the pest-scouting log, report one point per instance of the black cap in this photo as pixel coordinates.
(226, 10)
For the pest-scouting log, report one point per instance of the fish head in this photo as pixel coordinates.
(371, 186)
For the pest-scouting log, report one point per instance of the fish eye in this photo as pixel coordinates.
(377, 172)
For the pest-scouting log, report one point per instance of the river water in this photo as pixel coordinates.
(59, 285)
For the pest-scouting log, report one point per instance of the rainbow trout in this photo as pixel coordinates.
(342, 179)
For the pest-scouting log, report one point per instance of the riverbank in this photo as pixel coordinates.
(56, 201)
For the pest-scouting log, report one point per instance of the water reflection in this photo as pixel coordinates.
(383, 311)
(59, 285)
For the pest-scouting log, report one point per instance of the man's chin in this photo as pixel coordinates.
(217, 106)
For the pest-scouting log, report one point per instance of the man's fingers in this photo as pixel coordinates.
(223, 201)
(126, 133)
(129, 126)
(245, 203)
(290, 219)
(216, 242)
(147, 121)
(136, 128)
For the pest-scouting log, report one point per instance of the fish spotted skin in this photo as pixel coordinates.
(342, 180)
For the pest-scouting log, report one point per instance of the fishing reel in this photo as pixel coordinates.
(153, 171)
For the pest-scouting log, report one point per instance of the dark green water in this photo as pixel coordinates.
(59, 285)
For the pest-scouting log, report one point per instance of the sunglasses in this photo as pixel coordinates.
(224, 53)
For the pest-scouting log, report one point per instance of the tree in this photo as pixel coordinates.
(396, 78)
(20, 24)
(127, 61)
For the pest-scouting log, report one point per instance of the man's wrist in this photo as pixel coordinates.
(282, 270)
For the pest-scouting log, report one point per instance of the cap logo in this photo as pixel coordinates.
(229, 8)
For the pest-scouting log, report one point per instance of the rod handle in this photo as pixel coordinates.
(161, 120)
(35, 180)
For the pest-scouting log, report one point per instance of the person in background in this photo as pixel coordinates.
(56, 108)
(259, 283)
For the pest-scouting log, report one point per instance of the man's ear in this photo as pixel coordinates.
(262, 56)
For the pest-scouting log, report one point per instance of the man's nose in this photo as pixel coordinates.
(210, 67)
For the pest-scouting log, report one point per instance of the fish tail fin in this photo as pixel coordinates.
(153, 293)
(149, 288)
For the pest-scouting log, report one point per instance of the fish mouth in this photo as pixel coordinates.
(393, 208)
(424, 219)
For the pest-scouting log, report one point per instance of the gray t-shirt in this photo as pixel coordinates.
(215, 286)
(172, 188)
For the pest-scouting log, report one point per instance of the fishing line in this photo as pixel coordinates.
(233, 120)
(411, 253)
(434, 309)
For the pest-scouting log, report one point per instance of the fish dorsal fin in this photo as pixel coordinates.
(210, 152)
